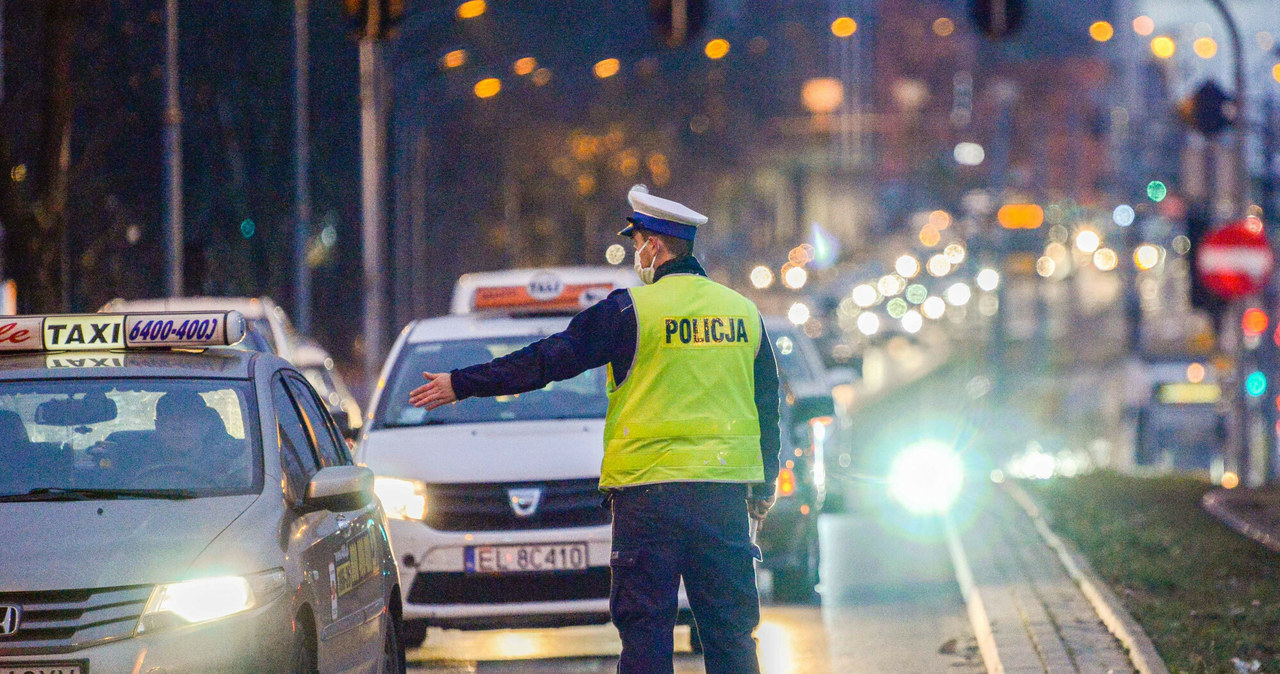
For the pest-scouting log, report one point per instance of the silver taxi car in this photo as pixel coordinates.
(170, 506)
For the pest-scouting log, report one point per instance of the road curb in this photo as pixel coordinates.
(976, 610)
(1142, 653)
(1215, 503)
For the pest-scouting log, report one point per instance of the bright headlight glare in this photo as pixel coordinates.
(926, 478)
(401, 499)
(204, 599)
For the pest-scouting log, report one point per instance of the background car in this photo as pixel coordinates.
(318, 367)
(788, 538)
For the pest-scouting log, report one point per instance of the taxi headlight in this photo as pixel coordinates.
(204, 599)
(926, 478)
(401, 499)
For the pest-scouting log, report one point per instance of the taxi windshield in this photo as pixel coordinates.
(581, 397)
(128, 436)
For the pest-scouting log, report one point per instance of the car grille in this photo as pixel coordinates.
(487, 506)
(62, 621)
(479, 588)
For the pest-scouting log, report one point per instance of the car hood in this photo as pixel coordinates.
(108, 543)
(493, 452)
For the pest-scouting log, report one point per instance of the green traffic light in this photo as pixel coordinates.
(1157, 191)
(1255, 384)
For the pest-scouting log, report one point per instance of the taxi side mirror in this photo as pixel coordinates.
(339, 488)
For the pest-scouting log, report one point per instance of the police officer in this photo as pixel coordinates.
(691, 438)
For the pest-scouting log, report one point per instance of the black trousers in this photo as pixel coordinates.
(694, 530)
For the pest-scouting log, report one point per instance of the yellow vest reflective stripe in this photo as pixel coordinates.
(686, 411)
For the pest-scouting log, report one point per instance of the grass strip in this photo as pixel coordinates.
(1203, 593)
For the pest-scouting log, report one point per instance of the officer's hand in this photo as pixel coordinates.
(436, 392)
(758, 508)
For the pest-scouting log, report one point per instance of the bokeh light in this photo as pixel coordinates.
(1157, 191)
(958, 294)
(955, 253)
(798, 314)
(615, 254)
(1195, 373)
(939, 265)
(1087, 241)
(761, 277)
(1045, 266)
(943, 26)
(912, 321)
(1106, 259)
(716, 49)
(488, 87)
(454, 59)
(844, 27)
(891, 284)
(907, 266)
(1146, 257)
(868, 323)
(916, 293)
(1123, 215)
(606, 68)
(795, 277)
(896, 307)
(1205, 47)
(1163, 47)
(933, 307)
(988, 279)
(1101, 31)
(930, 236)
(471, 9)
(525, 66)
(1144, 26)
(865, 295)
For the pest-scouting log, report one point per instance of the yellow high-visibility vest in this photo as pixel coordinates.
(686, 411)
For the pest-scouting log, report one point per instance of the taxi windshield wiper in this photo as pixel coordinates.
(77, 494)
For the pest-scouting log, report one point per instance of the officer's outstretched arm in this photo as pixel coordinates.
(436, 392)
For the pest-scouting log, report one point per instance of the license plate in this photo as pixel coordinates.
(40, 668)
(518, 558)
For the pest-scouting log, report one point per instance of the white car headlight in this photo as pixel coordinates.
(926, 478)
(204, 599)
(401, 499)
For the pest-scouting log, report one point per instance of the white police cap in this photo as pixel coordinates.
(661, 216)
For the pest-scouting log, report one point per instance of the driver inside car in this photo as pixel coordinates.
(193, 448)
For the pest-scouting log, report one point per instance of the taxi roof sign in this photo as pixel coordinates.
(79, 332)
(550, 291)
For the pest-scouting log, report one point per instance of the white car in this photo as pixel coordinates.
(168, 504)
(495, 509)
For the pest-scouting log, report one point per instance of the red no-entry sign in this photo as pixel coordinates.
(1235, 260)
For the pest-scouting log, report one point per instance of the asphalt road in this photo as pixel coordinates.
(890, 603)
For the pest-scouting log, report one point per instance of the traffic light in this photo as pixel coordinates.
(1198, 227)
(1255, 384)
(997, 18)
(676, 21)
(1209, 110)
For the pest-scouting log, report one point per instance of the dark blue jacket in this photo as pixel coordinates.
(606, 333)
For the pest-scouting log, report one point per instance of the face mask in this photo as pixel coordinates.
(645, 273)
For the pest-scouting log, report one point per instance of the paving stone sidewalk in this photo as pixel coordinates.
(1039, 616)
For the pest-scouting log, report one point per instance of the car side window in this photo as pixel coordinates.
(329, 445)
(297, 455)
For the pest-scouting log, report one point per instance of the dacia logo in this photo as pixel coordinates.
(10, 615)
(525, 501)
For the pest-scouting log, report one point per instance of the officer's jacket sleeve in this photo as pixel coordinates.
(590, 341)
(767, 401)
